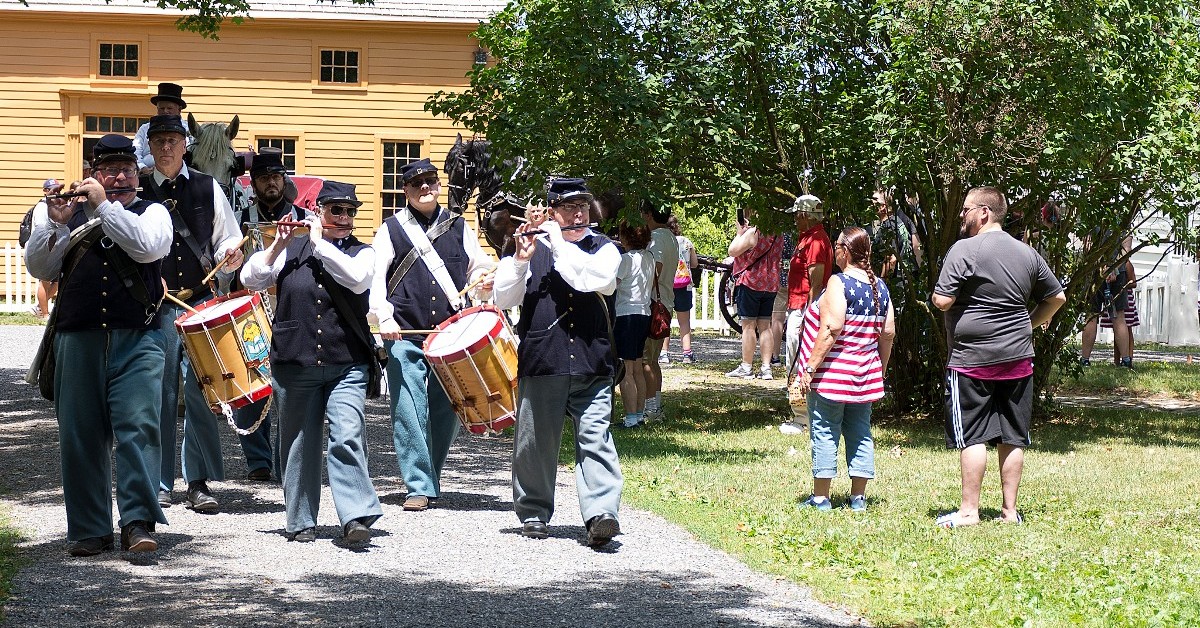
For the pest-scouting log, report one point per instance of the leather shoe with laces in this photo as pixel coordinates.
(200, 497)
(356, 532)
(136, 537)
(92, 546)
(535, 530)
(416, 503)
(307, 535)
(164, 498)
(601, 529)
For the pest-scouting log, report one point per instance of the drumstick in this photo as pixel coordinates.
(221, 263)
(181, 304)
(487, 273)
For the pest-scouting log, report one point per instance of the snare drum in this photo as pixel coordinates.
(228, 340)
(474, 355)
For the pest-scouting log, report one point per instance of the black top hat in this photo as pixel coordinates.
(267, 163)
(112, 147)
(169, 92)
(563, 190)
(166, 124)
(338, 192)
(416, 169)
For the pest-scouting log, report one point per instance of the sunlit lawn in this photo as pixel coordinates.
(9, 558)
(1112, 532)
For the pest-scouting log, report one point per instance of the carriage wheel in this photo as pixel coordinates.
(725, 301)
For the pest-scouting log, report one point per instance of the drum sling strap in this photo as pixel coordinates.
(361, 331)
(41, 371)
(405, 264)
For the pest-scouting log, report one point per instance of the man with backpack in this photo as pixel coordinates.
(37, 215)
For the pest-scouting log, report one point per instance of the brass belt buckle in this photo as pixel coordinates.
(184, 295)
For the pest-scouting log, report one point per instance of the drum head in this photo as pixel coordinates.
(219, 309)
(463, 334)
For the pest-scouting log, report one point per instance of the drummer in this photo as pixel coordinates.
(321, 273)
(564, 363)
(206, 233)
(417, 291)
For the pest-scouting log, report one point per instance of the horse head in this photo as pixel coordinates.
(212, 152)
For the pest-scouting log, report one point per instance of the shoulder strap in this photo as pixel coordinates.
(206, 260)
(405, 264)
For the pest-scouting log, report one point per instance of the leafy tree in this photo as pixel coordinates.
(726, 103)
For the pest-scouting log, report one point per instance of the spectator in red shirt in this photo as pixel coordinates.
(756, 268)
(808, 271)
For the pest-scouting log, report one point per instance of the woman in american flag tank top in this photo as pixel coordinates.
(845, 346)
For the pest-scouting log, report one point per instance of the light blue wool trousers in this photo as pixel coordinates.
(315, 396)
(106, 392)
(423, 424)
(543, 405)
(201, 451)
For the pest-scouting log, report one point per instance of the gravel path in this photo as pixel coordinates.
(463, 563)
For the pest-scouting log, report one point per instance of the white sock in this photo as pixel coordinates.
(658, 399)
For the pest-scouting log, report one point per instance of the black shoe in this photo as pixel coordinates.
(601, 529)
(92, 546)
(200, 497)
(535, 530)
(136, 537)
(1127, 363)
(261, 474)
(164, 498)
(307, 535)
(356, 532)
(622, 426)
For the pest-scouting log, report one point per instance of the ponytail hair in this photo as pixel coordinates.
(858, 245)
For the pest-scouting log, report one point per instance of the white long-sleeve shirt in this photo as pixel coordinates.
(583, 271)
(141, 146)
(478, 262)
(225, 234)
(354, 273)
(146, 237)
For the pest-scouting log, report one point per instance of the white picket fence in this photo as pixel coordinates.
(20, 288)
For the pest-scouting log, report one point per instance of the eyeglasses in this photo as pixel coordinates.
(165, 142)
(338, 210)
(970, 208)
(419, 183)
(112, 171)
(574, 208)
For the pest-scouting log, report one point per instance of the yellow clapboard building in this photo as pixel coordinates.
(339, 87)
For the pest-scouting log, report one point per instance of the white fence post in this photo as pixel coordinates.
(20, 288)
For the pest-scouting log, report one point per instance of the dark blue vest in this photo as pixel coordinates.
(94, 296)
(308, 330)
(194, 201)
(418, 302)
(563, 331)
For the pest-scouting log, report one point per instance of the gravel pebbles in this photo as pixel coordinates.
(461, 563)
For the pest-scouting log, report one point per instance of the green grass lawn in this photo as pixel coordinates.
(1112, 532)
(9, 558)
(19, 318)
(1147, 379)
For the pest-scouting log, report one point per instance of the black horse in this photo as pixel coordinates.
(471, 173)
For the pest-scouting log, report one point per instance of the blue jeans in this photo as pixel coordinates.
(423, 423)
(316, 395)
(829, 421)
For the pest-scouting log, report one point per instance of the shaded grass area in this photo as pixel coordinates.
(1147, 379)
(1112, 532)
(10, 559)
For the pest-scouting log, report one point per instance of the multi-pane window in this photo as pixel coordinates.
(125, 125)
(339, 66)
(285, 144)
(119, 60)
(395, 156)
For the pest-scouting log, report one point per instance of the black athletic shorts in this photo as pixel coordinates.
(987, 411)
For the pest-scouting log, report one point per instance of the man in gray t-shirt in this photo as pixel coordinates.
(987, 282)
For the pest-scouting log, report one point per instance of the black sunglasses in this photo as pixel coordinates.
(338, 210)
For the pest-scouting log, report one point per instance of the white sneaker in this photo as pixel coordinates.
(766, 372)
(743, 371)
(663, 359)
(792, 429)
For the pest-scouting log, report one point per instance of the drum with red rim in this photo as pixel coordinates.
(474, 356)
(228, 340)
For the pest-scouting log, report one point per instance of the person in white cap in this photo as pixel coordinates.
(808, 271)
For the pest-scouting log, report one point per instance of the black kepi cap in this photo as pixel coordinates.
(415, 169)
(338, 192)
(112, 147)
